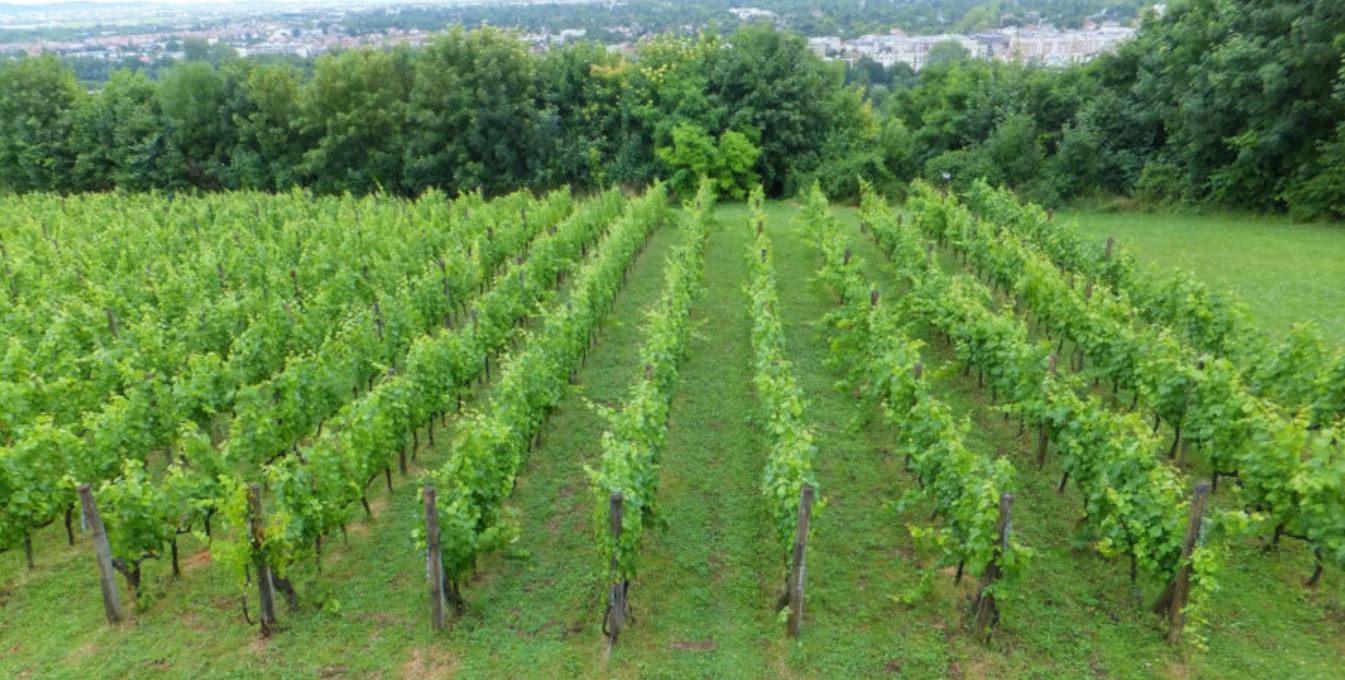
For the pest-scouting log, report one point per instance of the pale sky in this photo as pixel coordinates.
(152, 2)
(253, 2)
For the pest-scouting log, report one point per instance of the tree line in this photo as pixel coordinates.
(1220, 103)
(471, 109)
(1235, 104)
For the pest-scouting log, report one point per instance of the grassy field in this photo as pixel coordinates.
(704, 602)
(1287, 273)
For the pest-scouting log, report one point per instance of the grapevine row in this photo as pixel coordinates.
(85, 330)
(312, 488)
(636, 432)
(1285, 468)
(489, 447)
(47, 461)
(1298, 372)
(966, 487)
(1133, 499)
(791, 446)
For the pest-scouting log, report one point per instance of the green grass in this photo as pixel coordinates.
(1287, 273)
(704, 602)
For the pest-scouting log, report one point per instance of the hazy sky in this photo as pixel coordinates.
(254, 2)
(243, 2)
(153, 2)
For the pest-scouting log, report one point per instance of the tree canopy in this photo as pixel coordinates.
(1236, 104)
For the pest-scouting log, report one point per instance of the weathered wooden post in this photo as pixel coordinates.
(616, 599)
(797, 568)
(987, 613)
(1174, 597)
(257, 534)
(106, 575)
(1043, 434)
(1106, 254)
(434, 562)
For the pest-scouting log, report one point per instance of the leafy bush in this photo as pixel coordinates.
(1160, 182)
(694, 154)
(1321, 196)
(960, 168)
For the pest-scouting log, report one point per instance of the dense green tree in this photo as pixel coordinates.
(898, 149)
(582, 123)
(958, 169)
(948, 108)
(1321, 192)
(1077, 166)
(670, 87)
(945, 53)
(39, 102)
(1224, 102)
(773, 88)
(271, 142)
(852, 149)
(1244, 90)
(355, 111)
(121, 135)
(194, 98)
(1014, 149)
(472, 113)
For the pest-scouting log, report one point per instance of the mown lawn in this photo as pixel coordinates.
(704, 601)
(1287, 273)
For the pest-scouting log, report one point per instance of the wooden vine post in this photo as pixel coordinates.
(265, 588)
(434, 563)
(1043, 434)
(987, 613)
(1174, 597)
(616, 599)
(797, 567)
(106, 575)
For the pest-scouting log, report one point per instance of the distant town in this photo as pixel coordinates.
(1042, 45)
(131, 34)
(271, 36)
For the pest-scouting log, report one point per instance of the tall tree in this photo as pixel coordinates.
(39, 101)
(770, 83)
(583, 125)
(194, 98)
(473, 112)
(271, 143)
(122, 139)
(355, 111)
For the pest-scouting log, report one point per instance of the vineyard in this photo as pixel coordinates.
(576, 436)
